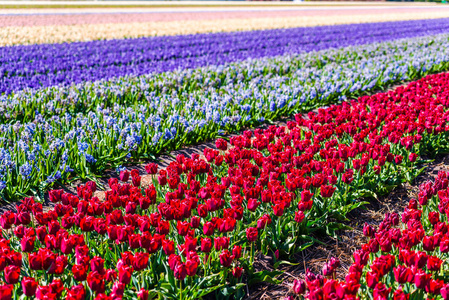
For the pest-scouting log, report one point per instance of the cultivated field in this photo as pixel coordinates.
(224, 150)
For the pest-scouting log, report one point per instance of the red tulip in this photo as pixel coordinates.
(445, 292)
(111, 275)
(180, 271)
(299, 286)
(221, 144)
(278, 210)
(55, 195)
(12, 274)
(79, 272)
(6, 292)
(206, 245)
(143, 294)
(237, 251)
(57, 287)
(237, 272)
(77, 292)
(226, 258)
(118, 288)
(251, 234)
(327, 191)
(434, 263)
(162, 180)
(140, 261)
(421, 279)
(372, 279)
(124, 274)
(151, 168)
(306, 195)
(168, 247)
(191, 267)
(27, 243)
(208, 228)
(368, 230)
(87, 224)
(299, 216)
(29, 286)
(97, 265)
(136, 181)
(381, 292)
(45, 292)
(95, 281)
(252, 204)
(124, 175)
(403, 274)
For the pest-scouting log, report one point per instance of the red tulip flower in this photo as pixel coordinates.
(151, 168)
(143, 294)
(12, 274)
(226, 258)
(237, 272)
(421, 279)
(124, 175)
(95, 281)
(327, 191)
(124, 274)
(208, 228)
(180, 271)
(27, 243)
(6, 292)
(221, 144)
(206, 245)
(299, 287)
(251, 234)
(29, 286)
(140, 261)
(79, 272)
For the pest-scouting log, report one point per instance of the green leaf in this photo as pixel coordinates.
(204, 291)
(334, 226)
(364, 193)
(226, 291)
(265, 276)
(284, 262)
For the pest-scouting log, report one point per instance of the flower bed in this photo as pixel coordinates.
(195, 230)
(405, 258)
(14, 35)
(37, 66)
(140, 117)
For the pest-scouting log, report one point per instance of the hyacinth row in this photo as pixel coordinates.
(137, 117)
(196, 229)
(17, 35)
(405, 258)
(37, 66)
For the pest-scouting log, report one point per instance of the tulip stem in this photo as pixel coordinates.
(252, 254)
(141, 280)
(207, 265)
(180, 288)
(151, 268)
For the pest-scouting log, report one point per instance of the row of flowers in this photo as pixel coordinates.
(141, 15)
(140, 117)
(37, 66)
(15, 35)
(404, 258)
(196, 229)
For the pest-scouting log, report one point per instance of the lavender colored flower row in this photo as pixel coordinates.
(134, 117)
(46, 65)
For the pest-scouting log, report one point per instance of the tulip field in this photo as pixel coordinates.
(310, 119)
